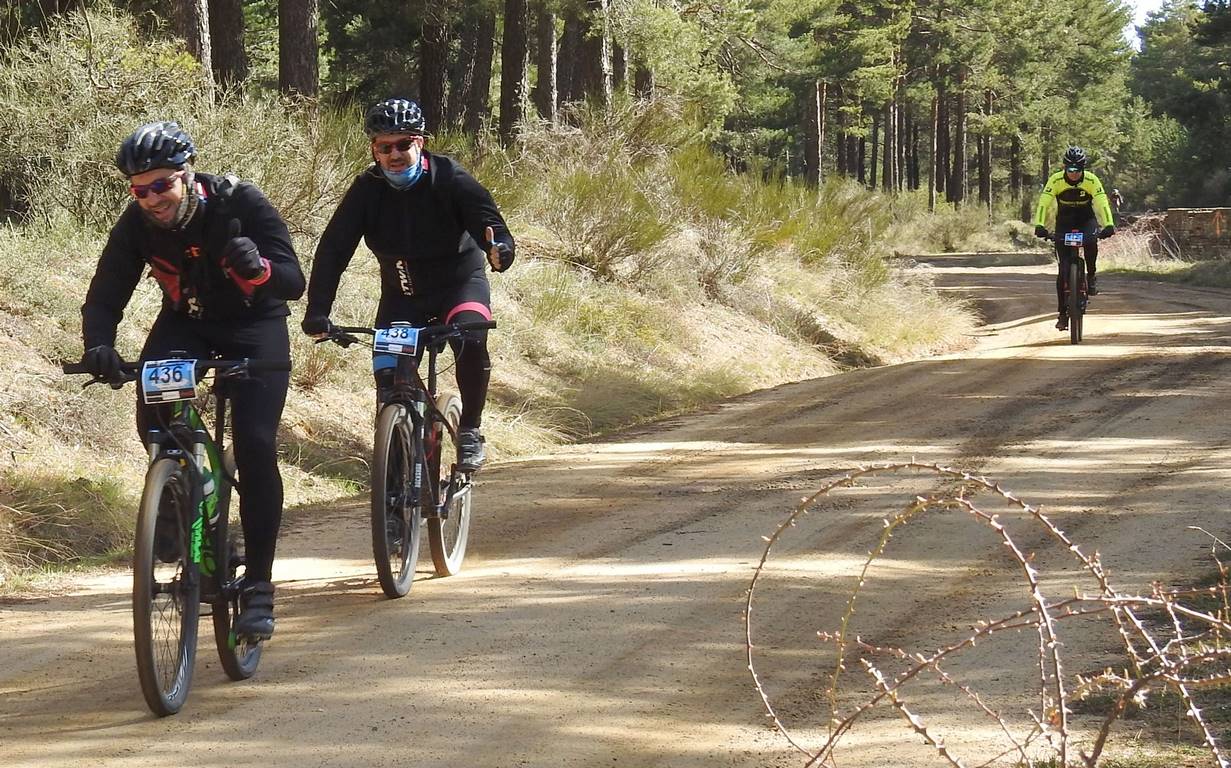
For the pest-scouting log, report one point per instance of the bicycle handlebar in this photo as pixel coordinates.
(128, 370)
(343, 334)
(1051, 236)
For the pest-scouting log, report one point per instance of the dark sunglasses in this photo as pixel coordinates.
(157, 186)
(403, 145)
(1073, 169)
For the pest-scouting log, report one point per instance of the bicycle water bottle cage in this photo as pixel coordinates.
(1073, 239)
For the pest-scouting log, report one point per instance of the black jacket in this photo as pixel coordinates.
(186, 263)
(426, 238)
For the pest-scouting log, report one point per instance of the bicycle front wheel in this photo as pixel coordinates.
(447, 533)
(239, 655)
(1075, 308)
(166, 589)
(395, 511)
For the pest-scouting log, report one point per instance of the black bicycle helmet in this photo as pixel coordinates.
(1075, 157)
(395, 116)
(155, 145)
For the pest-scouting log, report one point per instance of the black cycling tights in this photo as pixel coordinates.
(1088, 225)
(256, 409)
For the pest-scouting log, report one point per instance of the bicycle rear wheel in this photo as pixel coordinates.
(1074, 302)
(447, 534)
(166, 596)
(239, 656)
(395, 515)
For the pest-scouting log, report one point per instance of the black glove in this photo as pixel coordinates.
(315, 325)
(1040, 230)
(103, 362)
(241, 257)
(1107, 232)
(501, 256)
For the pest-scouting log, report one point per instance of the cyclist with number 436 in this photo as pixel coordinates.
(223, 257)
(1078, 200)
(430, 225)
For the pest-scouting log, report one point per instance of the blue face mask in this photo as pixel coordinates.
(403, 179)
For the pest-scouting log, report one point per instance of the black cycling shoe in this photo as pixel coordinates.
(166, 537)
(1062, 323)
(256, 611)
(470, 451)
(1091, 286)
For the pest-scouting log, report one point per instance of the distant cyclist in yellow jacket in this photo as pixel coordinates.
(1077, 199)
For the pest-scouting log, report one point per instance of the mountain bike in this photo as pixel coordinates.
(1073, 281)
(415, 476)
(195, 555)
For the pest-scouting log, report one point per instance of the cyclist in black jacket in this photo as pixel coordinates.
(223, 258)
(430, 225)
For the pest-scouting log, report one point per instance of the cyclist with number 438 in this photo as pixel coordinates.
(223, 257)
(1078, 200)
(430, 225)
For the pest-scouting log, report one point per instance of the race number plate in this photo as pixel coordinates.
(166, 381)
(1073, 238)
(398, 340)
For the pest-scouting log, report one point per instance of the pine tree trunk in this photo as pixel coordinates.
(957, 182)
(434, 67)
(934, 174)
(875, 147)
(514, 61)
(904, 132)
(619, 68)
(298, 73)
(889, 156)
(477, 106)
(840, 146)
(567, 78)
(813, 135)
(941, 157)
(985, 157)
(544, 93)
(914, 156)
(595, 59)
(1015, 169)
(860, 161)
(461, 73)
(192, 24)
(226, 32)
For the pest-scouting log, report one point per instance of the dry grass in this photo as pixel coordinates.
(649, 280)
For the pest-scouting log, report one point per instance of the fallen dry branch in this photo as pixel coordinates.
(1194, 656)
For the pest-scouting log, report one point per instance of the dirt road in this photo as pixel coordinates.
(598, 621)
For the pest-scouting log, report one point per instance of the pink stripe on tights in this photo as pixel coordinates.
(470, 306)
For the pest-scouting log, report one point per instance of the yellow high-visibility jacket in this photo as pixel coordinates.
(1059, 194)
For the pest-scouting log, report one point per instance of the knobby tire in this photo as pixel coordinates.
(447, 535)
(166, 596)
(395, 523)
(239, 656)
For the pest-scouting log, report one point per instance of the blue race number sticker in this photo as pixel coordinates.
(398, 340)
(1073, 238)
(166, 381)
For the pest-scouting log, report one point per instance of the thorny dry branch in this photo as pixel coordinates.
(1197, 656)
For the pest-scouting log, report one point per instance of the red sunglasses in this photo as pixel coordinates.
(402, 145)
(157, 186)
